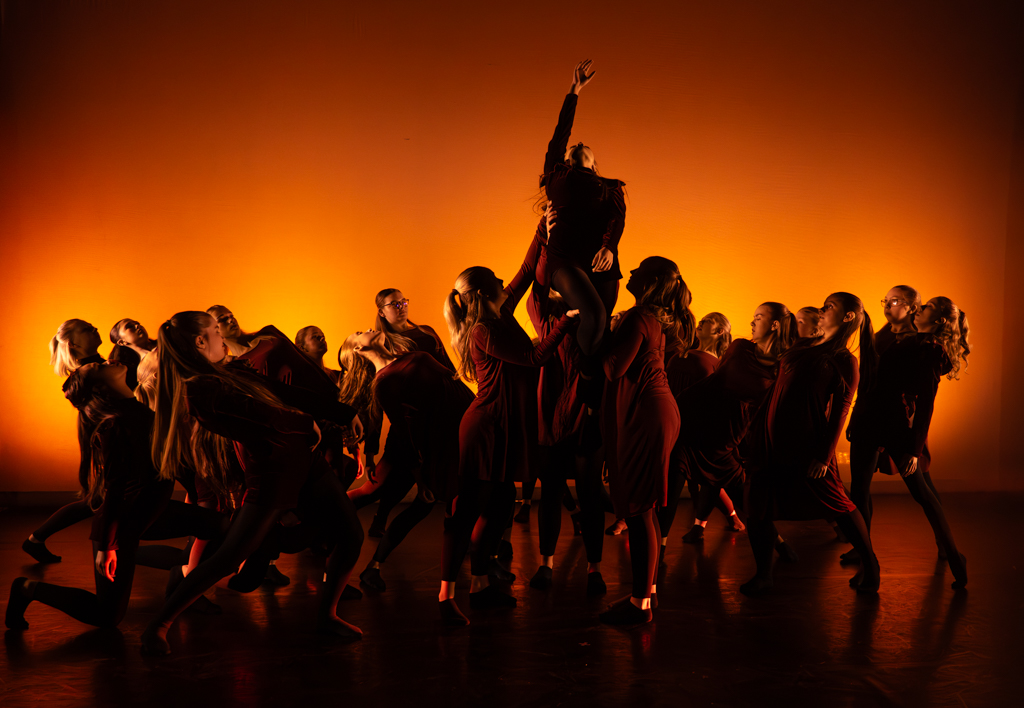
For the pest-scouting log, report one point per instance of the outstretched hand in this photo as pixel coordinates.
(580, 77)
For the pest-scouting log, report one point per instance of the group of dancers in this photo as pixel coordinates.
(267, 439)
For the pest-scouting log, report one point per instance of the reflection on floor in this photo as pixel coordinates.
(813, 643)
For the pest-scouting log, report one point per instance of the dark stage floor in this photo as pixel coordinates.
(813, 643)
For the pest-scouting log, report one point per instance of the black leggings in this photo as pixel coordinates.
(482, 511)
(394, 483)
(399, 528)
(644, 547)
(762, 535)
(593, 300)
(68, 515)
(558, 463)
(594, 503)
(160, 518)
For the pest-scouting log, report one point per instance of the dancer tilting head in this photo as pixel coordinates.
(896, 413)
(313, 343)
(75, 344)
(133, 499)
(797, 475)
(498, 433)
(208, 412)
(131, 344)
(807, 319)
(641, 419)
(579, 257)
(425, 406)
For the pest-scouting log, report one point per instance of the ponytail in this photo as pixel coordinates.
(787, 332)
(868, 364)
(462, 313)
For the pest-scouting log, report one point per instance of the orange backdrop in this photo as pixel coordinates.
(289, 159)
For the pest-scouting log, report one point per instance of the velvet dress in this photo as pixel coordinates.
(640, 416)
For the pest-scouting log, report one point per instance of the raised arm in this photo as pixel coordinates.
(560, 140)
(524, 277)
(493, 341)
(626, 342)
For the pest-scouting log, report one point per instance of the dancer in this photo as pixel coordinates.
(717, 412)
(684, 368)
(579, 258)
(75, 344)
(641, 420)
(425, 406)
(271, 441)
(901, 305)
(393, 312)
(807, 322)
(797, 476)
(313, 343)
(133, 499)
(498, 434)
(131, 345)
(561, 415)
(899, 410)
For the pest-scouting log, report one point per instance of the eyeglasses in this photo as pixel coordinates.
(893, 302)
(398, 304)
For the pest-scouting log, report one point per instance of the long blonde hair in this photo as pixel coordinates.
(724, 339)
(61, 359)
(357, 386)
(667, 298)
(462, 312)
(178, 439)
(953, 334)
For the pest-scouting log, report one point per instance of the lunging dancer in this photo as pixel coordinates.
(900, 408)
(641, 420)
(76, 344)
(498, 434)
(200, 407)
(133, 499)
(797, 476)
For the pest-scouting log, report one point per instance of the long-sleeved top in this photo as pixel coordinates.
(133, 493)
(591, 209)
(640, 416)
(498, 435)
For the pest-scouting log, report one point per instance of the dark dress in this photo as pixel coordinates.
(641, 419)
(498, 434)
(273, 443)
(591, 209)
(716, 414)
(903, 399)
(425, 406)
(804, 418)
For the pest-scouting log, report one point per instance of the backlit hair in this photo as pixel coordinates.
(61, 359)
(462, 311)
(953, 334)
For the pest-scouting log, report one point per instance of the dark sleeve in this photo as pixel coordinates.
(114, 451)
(238, 416)
(925, 384)
(400, 447)
(560, 141)
(321, 403)
(371, 433)
(442, 353)
(626, 342)
(616, 220)
(501, 347)
(524, 277)
(843, 390)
